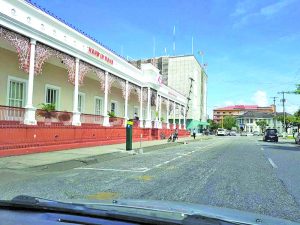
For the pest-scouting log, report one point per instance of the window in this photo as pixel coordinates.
(81, 101)
(251, 120)
(98, 106)
(52, 95)
(113, 107)
(16, 92)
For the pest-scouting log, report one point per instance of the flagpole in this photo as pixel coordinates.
(174, 46)
(192, 45)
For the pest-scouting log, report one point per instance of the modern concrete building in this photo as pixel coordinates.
(186, 75)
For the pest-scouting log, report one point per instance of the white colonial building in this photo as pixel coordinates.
(44, 60)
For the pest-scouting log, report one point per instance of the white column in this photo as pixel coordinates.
(159, 114)
(179, 118)
(126, 103)
(106, 117)
(174, 114)
(156, 111)
(168, 106)
(76, 114)
(184, 118)
(141, 108)
(148, 121)
(29, 117)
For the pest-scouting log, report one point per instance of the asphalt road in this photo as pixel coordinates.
(234, 172)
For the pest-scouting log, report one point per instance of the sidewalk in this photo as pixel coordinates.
(81, 156)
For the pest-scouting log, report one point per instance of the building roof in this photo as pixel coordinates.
(255, 114)
(238, 107)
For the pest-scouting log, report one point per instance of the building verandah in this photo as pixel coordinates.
(81, 93)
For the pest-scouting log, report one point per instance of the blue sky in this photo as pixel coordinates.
(252, 48)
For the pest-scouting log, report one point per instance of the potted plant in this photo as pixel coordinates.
(162, 119)
(47, 111)
(64, 117)
(112, 116)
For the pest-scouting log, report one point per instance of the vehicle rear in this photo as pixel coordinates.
(270, 135)
(221, 132)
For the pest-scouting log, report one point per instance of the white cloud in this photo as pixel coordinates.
(260, 98)
(275, 8)
(244, 10)
(243, 7)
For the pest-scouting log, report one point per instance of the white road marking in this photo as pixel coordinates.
(116, 170)
(145, 169)
(272, 163)
(261, 148)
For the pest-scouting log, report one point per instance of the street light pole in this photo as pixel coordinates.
(274, 103)
(283, 107)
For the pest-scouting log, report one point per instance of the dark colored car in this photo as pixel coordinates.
(270, 135)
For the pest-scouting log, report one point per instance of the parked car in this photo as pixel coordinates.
(297, 138)
(249, 134)
(221, 132)
(227, 132)
(243, 134)
(270, 135)
(232, 133)
(255, 133)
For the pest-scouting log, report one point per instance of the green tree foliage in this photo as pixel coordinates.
(262, 124)
(229, 122)
(298, 89)
(213, 125)
(296, 121)
(290, 120)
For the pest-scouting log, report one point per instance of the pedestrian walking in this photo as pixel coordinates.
(175, 135)
(194, 133)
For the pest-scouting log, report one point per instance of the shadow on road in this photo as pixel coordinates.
(282, 146)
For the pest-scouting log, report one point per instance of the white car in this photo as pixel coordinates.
(221, 132)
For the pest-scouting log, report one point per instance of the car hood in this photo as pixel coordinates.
(225, 214)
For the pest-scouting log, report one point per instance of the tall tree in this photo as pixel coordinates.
(289, 121)
(298, 89)
(213, 125)
(262, 124)
(229, 122)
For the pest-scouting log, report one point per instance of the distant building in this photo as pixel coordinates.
(248, 120)
(184, 74)
(237, 110)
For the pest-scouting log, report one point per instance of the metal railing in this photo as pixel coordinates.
(8, 113)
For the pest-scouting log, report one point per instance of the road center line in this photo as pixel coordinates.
(272, 163)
